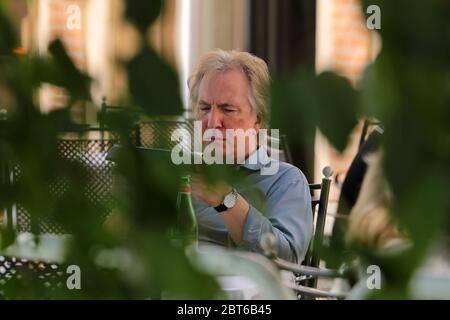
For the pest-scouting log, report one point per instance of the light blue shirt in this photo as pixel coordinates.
(279, 203)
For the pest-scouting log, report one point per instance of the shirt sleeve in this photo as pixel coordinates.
(288, 216)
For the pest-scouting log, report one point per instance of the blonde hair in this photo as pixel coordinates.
(370, 221)
(254, 68)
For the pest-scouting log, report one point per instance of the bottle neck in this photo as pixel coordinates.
(185, 186)
(185, 189)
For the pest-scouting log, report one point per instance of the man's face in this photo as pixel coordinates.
(223, 104)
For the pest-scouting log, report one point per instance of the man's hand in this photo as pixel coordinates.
(210, 194)
(213, 195)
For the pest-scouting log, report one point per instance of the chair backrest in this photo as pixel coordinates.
(149, 132)
(349, 191)
(156, 132)
(365, 130)
(43, 279)
(90, 155)
(319, 212)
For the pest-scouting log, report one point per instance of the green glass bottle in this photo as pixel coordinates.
(185, 232)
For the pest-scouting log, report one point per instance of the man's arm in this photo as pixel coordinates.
(287, 215)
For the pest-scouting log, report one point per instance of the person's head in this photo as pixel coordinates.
(229, 91)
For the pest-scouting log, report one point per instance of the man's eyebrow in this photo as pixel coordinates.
(221, 105)
(227, 104)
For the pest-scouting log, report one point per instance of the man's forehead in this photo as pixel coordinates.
(223, 97)
(225, 85)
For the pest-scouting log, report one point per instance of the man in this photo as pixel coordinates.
(229, 91)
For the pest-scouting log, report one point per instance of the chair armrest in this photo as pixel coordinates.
(315, 292)
(308, 271)
(337, 216)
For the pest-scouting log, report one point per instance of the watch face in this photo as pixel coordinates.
(230, 199)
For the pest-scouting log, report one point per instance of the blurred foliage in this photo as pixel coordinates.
(149, 66)
(407, 88)
(327, 101)
(142, 15)
(9, 40)
(144, 204)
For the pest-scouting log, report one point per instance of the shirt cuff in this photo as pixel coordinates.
(252, 230)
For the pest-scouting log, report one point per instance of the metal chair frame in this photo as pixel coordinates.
(309, 271)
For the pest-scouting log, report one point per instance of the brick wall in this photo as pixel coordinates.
(352, 39)
(346, 46)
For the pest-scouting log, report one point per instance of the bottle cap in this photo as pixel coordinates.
(185, 184)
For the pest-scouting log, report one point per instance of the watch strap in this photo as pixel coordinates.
(221, 208)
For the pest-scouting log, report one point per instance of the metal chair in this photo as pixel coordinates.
(319, 205)
(145, 131)
(365, 130)
(90, 155)
(18, 275)
(350, 188)
(307, 274)
(303, 290)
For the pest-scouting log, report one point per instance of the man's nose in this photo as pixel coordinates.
(214, 118)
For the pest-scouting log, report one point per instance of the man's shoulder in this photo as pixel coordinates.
(290, 173)
(288, 179)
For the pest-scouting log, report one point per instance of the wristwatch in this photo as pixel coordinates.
(228, 202)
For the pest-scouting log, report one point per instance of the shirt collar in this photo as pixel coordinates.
(257, 159)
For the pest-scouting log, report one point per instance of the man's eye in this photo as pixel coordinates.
(228, 110)
(204, 108)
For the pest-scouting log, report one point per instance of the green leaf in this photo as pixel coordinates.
(8, 39)
(154, 84)
(335, 108)
(423, 213)
(143, 13)
(380, 93)
(409, 29)
(67, 75)
(327, 101)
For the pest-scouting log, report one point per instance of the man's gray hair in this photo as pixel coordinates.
(254, 68)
